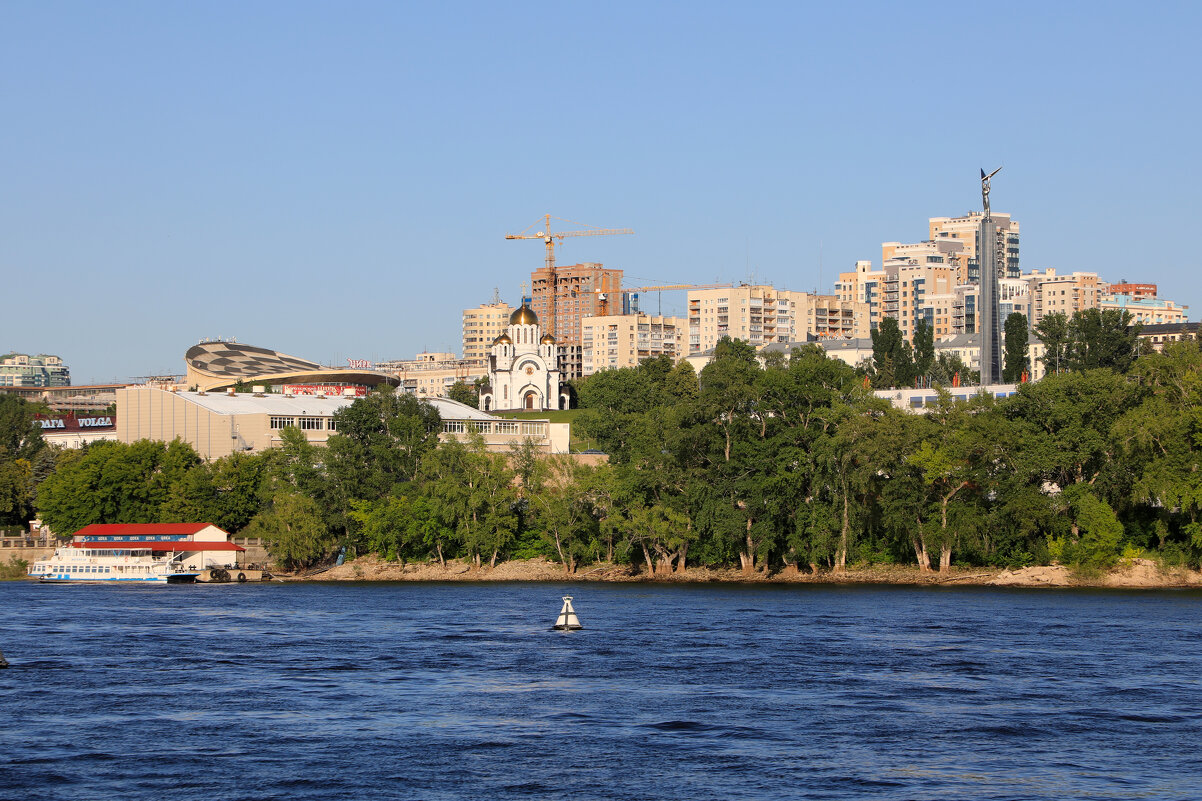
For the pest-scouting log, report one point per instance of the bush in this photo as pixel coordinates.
(14, 569)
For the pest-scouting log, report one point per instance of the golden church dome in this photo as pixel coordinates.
(503, 340)
(547, 340)
(523, 316)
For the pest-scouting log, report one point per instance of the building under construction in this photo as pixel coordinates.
(564, 299)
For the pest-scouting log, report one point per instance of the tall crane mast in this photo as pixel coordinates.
(551, 239)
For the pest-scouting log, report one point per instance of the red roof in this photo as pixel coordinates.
(128, 529)
(186, 545)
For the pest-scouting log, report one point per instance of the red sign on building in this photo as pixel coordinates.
(329, 390)
(100, 422)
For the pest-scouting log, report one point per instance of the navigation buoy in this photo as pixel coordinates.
(4, 662)
(567, 620)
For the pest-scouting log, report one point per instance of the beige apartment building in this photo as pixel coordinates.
(1013, 296)
(624, 340)
(481, 326)
(581, 290)
(1141, 300)
(963, 230)
(866, 285)
(920, 282)
(1066, 294)
(935, 278)
(917, 280)
(430, 375)
(762, 315)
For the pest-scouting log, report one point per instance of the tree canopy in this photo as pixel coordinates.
(781, 463)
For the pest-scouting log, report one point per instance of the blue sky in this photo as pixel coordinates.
(335, 180)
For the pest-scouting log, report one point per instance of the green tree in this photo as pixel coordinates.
(400, 526)
(463, 393)
(472, 492)
(16, 492)
(904, 514)
(381, 442)
(563, 513)
(295, 533)
(1054, 333)
(20, 435)
(1161, 442)
(227, 492)
(1095, 530)
(21, 448)
(948, 366)
(112, 482)
(924, 347)
(661, 533)
(892, 359)
(1102, 338)
(1015, 348)
(1071, 416)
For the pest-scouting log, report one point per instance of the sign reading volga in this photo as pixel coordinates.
(77, 423)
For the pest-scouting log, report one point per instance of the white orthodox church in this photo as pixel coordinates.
(523, 369)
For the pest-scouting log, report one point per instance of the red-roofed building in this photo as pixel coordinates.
(202, 545)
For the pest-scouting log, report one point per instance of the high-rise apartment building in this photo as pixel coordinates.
(624, 340)
(934, 279)
(1013, 296)
(1066, 294)
(920, 283)
(865, 284)
(481, 326)
(42, 370)
(580, 291)
(763, 315)
(965, 231)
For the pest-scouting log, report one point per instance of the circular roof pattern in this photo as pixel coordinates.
(212, 365)
(236, 360)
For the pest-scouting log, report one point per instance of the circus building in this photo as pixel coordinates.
(218, 365)
(241, 398)
(523, 368)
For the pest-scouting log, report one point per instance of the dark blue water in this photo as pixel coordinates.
(460, 691)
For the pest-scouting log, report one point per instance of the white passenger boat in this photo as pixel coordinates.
(81, 563)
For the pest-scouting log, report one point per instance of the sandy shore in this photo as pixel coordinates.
(1142, 573)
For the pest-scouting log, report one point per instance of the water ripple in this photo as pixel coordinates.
(409, 691)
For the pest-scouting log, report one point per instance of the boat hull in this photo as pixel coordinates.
(179, 578)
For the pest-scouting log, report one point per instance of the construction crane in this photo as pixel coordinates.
(551, 238)
(662, 287)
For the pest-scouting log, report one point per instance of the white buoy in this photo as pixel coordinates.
(567, 620)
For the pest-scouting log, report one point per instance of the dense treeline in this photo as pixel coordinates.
(792, 464)
(25, 460)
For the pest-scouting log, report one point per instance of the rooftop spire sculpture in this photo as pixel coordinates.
(985, 188)
(988, 312)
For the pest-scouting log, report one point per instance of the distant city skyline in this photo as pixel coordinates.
(336, 182)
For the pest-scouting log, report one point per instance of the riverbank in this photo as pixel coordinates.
(1141, 573)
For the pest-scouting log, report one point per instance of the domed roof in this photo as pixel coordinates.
(503, 340)
(523, 316)
(547, 340)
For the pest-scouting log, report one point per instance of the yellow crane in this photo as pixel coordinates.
(662, 287)
(550, 239)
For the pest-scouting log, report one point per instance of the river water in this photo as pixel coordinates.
(461, 691)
